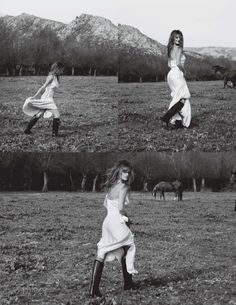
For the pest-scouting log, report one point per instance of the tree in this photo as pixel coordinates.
(44, 49)
(8, 47)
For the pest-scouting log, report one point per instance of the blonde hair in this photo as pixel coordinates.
(171, 41)
(112, 175)
(54, 68)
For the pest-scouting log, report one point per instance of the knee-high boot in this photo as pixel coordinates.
(128, 281)
(31, 123)
(96, 277)
(172, 111)
(55, 127)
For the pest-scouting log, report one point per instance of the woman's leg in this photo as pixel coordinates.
(33, 121)
(56, 122)
(128, 281)
(96, 277)
(172, 111)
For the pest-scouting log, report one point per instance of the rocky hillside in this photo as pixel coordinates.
(98, 30)
(27, 25)
(85, 27)
(216, 52)
(132, 37)
(89, 26)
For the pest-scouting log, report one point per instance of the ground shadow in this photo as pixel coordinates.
(179, 276)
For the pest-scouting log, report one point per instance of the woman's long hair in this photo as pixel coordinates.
(113, 174)
(171, 41)
(54, 68)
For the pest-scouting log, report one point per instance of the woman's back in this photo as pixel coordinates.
(114, 191)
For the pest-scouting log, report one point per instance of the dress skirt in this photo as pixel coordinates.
(115, 236)
(179, 90)
(32, 106)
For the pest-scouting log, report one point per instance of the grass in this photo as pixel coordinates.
(99, 115)
(213, 114)
(88, 108)
(185, 250)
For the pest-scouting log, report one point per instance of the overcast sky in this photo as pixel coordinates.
(203, 22)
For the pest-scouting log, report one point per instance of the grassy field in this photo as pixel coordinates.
(98, 115)
(185, 250)
(88, 108)
(213, 125)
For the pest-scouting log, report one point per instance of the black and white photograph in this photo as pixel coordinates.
(58, 79)
(144, 228)
(177, 75)
(117, 152)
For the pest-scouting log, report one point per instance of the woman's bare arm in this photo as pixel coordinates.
(48, 81)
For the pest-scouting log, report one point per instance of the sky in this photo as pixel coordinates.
(203, 22)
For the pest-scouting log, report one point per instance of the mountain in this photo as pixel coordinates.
(130, 37)
(26, 25)
(97, 30)
(88, 26)
(216, 52)
(85, 27)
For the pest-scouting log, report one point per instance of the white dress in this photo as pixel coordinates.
(179, 90)
(32, 106)
(116, 235)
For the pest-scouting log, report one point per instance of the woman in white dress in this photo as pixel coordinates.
(45, 106)
(179, 113)
(117, 239)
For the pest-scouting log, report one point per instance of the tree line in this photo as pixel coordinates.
(134, 66)
(33, 55)
(87, 171)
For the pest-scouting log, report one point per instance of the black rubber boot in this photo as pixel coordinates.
(31, 123)
(178, 124)
(128, 282)
(172, 111)
(55, 127)
(96, 277)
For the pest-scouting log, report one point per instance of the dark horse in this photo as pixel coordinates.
(164, 186)
(229, 76)
(232, 177)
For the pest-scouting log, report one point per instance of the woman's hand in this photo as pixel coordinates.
(127, 219)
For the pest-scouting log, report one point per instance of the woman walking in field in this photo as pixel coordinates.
(117, 240)
(45, 106)
(179, 112)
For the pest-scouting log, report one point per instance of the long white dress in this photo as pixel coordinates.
(116, 235)
(32, 106)
(179, 90)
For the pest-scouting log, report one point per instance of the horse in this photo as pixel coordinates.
(232, 177)
(229, 76)
(164, 186)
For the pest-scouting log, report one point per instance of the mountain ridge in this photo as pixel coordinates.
(97, 29)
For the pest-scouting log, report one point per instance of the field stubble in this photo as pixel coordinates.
(185, 250)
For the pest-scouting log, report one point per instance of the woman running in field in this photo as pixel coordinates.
(45, 106)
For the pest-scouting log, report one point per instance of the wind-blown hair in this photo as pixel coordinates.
(113, 174)
(171, 41)
(55, 67)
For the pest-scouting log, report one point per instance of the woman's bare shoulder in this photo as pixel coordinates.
(50, 77)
